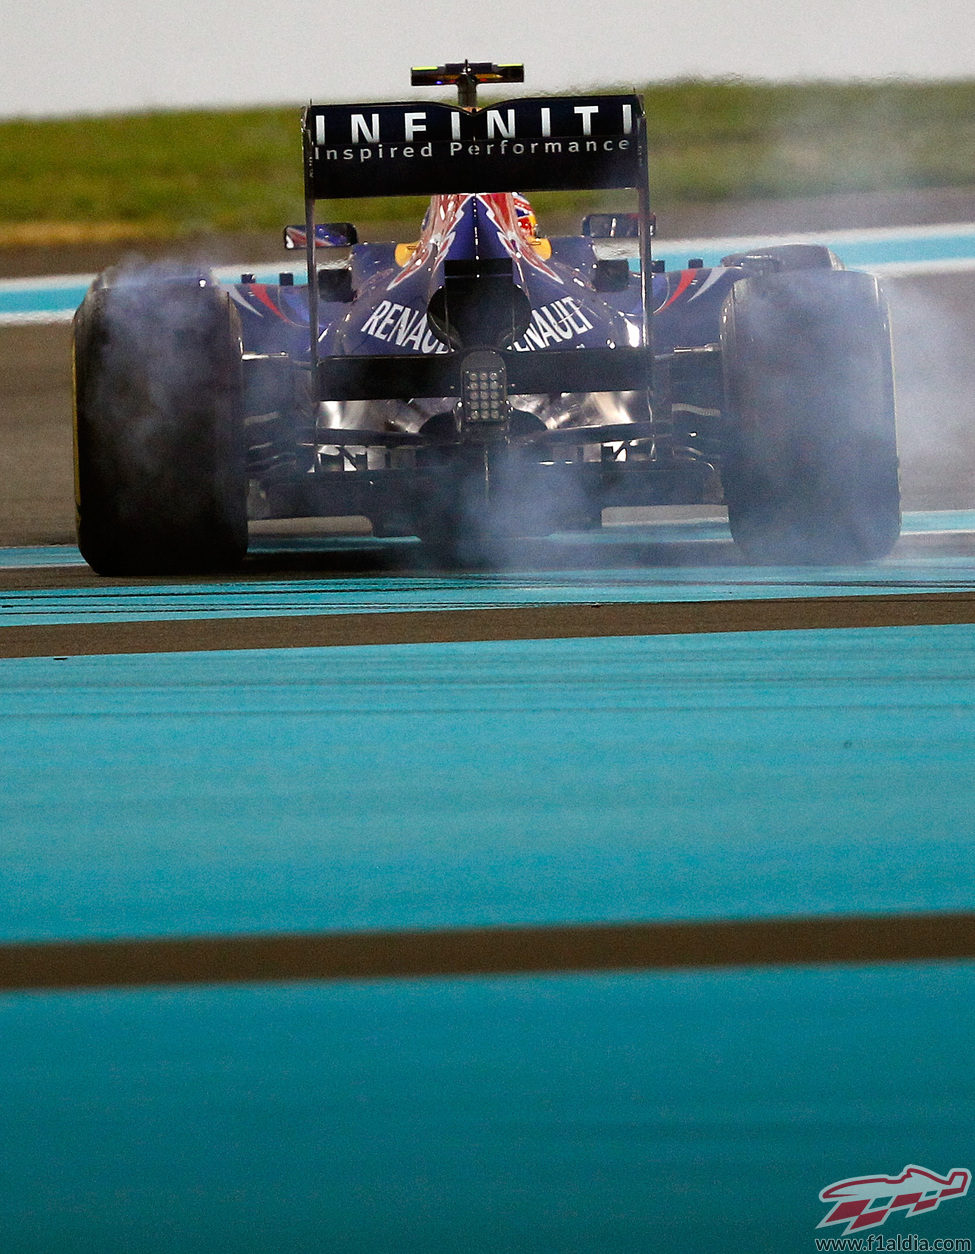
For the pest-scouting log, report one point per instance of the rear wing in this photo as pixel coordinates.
(544, 143)
(538, 144)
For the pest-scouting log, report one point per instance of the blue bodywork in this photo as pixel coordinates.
(375, 306)
(686, 305)
(566, 306)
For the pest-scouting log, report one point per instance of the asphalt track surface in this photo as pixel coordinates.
(619, 1033)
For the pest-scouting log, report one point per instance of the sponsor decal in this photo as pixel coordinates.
(357, 145)
(456, 148)
(374, 131)
(866, 1201)
(546, 142)
(554, 324)
(404, 326)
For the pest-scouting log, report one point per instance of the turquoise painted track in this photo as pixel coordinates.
(651, 582)
(671, 1113)
(735, 776)
(563, 781)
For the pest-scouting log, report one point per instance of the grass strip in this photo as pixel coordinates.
(184, 173)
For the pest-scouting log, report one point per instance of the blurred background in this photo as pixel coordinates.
(69, 58)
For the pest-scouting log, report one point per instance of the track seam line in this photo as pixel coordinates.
(543, 622)
(483, 951)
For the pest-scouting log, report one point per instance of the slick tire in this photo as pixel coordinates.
(809, 467)
(160, 476)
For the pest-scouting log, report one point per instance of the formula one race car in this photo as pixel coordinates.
(484, 382)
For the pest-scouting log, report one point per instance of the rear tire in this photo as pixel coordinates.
(160, 477)
(810, 457)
